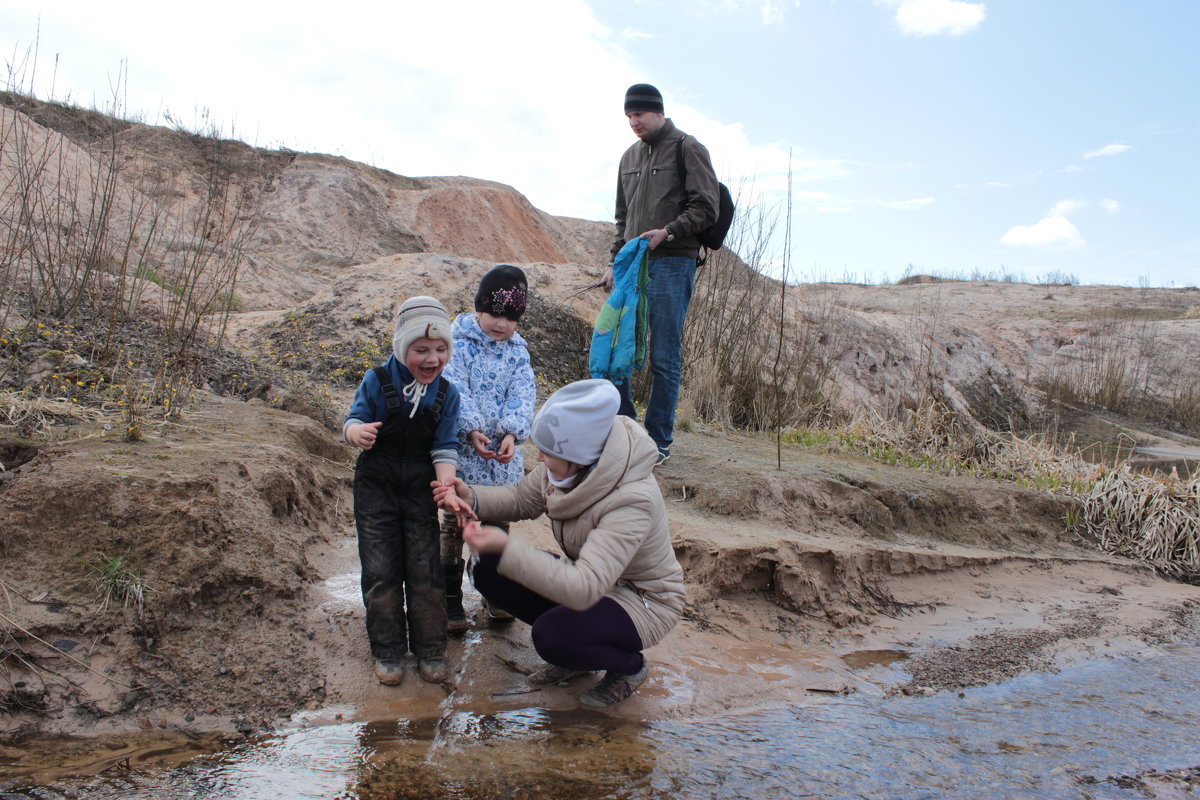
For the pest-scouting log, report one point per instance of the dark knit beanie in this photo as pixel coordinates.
(643, 97)
(503, 292)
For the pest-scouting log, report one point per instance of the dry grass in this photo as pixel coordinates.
(117, 580)
(1128, 366)
(1147, 518)
(34, 414)
(1151, 518)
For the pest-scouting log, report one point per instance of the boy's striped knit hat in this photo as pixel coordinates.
(418, 318)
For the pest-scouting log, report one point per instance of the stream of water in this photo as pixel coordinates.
(1066, 735)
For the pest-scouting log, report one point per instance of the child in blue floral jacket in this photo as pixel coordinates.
(490, 367)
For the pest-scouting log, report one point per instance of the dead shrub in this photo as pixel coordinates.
(737, 371)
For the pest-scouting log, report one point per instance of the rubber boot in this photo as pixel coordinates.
(456, 616)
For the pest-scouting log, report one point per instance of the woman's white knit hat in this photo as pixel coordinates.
(420, 318)
(575, 422)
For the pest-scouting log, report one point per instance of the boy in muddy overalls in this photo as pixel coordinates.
(404, 418)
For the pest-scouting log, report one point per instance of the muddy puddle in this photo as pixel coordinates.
(1065, 735)
(1185, 461)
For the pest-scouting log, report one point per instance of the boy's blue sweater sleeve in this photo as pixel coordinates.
(364, 407)
(445, 436)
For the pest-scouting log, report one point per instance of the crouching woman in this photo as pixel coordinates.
(618, 587)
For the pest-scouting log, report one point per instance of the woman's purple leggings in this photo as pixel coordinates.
(601, 638)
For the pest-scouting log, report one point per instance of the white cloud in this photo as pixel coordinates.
(1072, 168)
(772, 12)
(903, 205)
(1114, 149)
(937, 17)
(1049, 232)
(1064, 208)
(822, 201)
(1110, 205)
(633, 34)
(412, 109)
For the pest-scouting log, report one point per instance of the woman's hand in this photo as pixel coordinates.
(484, 538)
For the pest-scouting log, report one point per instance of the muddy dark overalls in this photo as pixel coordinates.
(402, 581)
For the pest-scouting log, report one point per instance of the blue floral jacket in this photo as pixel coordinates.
(496, 384)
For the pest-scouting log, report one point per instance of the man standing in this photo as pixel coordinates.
(656, 202)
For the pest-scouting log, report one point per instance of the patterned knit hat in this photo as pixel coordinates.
(420, 318)
(503, 292)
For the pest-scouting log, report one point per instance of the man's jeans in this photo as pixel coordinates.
(668, 295)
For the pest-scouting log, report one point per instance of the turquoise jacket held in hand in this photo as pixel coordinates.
(619, 335)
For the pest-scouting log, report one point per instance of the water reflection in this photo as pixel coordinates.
(1038, 736)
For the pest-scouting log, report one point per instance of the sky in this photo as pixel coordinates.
(1031, 138)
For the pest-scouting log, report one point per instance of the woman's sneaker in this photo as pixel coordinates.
(496, 615)
(552, 674)
(389, 671)
(615, 687)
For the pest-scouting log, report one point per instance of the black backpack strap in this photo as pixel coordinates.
(681, 167)
(440, 400)
(389, 389)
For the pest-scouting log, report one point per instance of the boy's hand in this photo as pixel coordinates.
(481, 444)
(362, 435)
(484, 538)
(442, 489)
(508, 449)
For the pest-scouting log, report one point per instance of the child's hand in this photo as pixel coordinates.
(508, 449)
(484, 538)
(481, 444)
(362, 434)
(444, 489)
(446, 495)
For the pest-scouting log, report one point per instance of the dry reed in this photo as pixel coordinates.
(1154, 519)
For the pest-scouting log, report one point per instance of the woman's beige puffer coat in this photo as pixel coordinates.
(612, 527)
